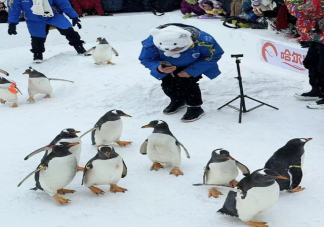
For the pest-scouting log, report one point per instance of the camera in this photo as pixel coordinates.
(237, 55)
(165, 64)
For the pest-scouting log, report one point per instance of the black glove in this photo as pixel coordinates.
(106, 14)
(12, 29)
(76, 21)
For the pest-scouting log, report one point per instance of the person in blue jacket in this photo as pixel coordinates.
(191, 53)
(41, 15)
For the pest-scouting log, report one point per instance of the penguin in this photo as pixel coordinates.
(38, 83)
(102, 53)
(162, 147)
(67, 135)
(8, 92)
(222, 169)
(109, 128)
(106, 168)
(254, 194)
(288, 162)
(4, 72)
(56, 171)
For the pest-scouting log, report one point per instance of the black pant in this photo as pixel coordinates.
(182, 90)
(38, 43)
(314, 62)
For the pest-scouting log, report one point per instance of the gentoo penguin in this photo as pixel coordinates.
(4, 72)
(38, 83)
(8, 92)
(162, 147)
(106, 168)
(56, 171)
(288, 162)
(254, 194)
(222, 169)
(109, 128)
(102, 53)
(67, 135)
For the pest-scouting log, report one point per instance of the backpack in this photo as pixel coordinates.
(236, 8)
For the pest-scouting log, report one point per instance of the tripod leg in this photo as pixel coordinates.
(262, 102)
(241, 109)
(228, 103)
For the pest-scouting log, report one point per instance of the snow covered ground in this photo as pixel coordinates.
(153, 199)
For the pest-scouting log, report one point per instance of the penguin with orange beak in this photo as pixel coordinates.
(222, 169)
(56, 171)
(8, 92)
(288, 162)
(67, 135)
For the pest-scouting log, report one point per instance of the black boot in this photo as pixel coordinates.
(193, 113)
(317, 105)
(173, 107)
(38, 58)
(80, 49)
(314, 95)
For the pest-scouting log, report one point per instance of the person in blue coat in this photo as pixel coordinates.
(41, 15)
(178, 55)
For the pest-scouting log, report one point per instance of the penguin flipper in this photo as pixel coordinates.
(93, 137)
(87, 53)
(245, 170)
(296, 175)
(185, 149)
(36, 152)
(205, 174)
(86, 168)
(124, 170)
(143, 148)
(115, 51)
(35, 171)
(229, 207)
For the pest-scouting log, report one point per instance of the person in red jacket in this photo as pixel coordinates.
(310, 25)
(79, 5)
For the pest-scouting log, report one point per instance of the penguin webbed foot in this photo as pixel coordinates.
(64, 191)
(61, 200)
(156, 166)
(79, 169)
(114, 188)
(297, 189)
(96, 190)
(3, 101)
(123, 143)
(15, 105)
(257, 224)
(110, 63)
(214, 193)
(47, 96)
(233, 183)
(31, 99)
(176, 171)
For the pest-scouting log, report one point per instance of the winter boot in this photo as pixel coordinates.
(193, 113)
(312, 95)
(80, 49)
(173, 107)
(38, 58)
(317, 105)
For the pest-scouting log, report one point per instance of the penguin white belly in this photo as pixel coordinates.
(257, 200)
(39, 86)
(75, 150)
(302, 159)
(59, 173)
(222, 172)
(110, 132)
(104, 172)
(102, 53)
(6, 95)
(162, 148)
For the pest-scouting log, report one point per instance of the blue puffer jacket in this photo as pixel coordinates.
(37, 24)
(201, 58)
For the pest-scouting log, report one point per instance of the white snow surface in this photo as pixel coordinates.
(153, 198)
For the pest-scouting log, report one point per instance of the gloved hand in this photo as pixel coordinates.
(187, 15)
(76, 21)
(12, 29)
(107, 14)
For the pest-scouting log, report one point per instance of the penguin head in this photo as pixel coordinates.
(220, 155)
(117, 113)
(4, 81)
(156, 124)
(102, 40)
(269, 173)
(106, 151)
(63, 146)
(69, 132)
(298, 142)
(29, 71)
